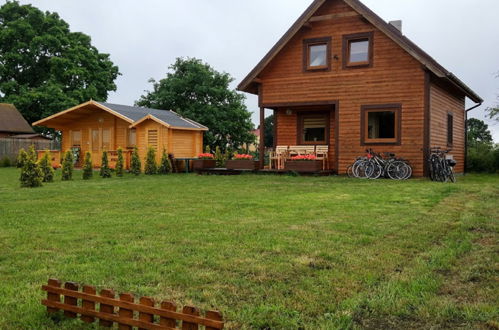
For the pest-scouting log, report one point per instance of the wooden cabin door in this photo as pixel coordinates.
(95, 146)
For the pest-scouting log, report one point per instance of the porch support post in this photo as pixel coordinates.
(262, 137)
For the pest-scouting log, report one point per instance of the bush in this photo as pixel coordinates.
(22, 156)
(119, 163)
(46, 168)
(483, 158)
(105, 171)
(67, 166)
(87, 166)
(136, 165)
(31, 174)
(5, 162)
(151, 167)
(165, 166)
(220, 157)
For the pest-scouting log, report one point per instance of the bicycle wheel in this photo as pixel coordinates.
(452, 177)
(374, 171)
(397, 170)
(350, 171)
(361, 170)
(409, 172)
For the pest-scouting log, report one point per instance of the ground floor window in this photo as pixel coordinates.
(380, 124)
(450, 129)
(313, 128)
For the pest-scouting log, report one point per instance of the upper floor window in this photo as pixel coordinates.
(317, 54)
(358, 50)
(381, 124)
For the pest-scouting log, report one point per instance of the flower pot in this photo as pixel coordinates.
(242, 164)
(303, 165)
(203, 163)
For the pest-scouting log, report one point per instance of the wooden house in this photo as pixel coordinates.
(344, 78)
(12, 123)
(98, 126)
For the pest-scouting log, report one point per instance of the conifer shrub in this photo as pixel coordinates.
(67, 166)
(207, 149)
(31, 174)
(165, 166)
(105, 171)
(135, 165)
(21, 158)
(151, 167)
(119, 163)
(88, 172)
(46, 168)
(220, 157)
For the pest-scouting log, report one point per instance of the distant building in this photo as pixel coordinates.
(12, 123)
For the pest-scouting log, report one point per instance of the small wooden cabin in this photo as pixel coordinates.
(344, 79)
(98, 126)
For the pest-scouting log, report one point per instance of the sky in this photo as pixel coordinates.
(145, 37)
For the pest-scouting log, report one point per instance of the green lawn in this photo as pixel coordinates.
(275, 252)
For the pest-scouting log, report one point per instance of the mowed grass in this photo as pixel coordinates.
(269, 252)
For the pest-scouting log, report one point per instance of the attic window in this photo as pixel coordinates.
(358, 50)
(317, 54)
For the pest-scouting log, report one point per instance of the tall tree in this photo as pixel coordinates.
(494, 111)
(196, 91)
(478, 133)
(44, 67)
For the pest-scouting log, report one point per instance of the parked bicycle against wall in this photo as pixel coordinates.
(440, 167)
(374, 166)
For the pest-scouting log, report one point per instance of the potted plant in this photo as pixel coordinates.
(304, 163)
(205, 160)
(242, 162)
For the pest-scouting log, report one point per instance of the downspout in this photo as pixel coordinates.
(466, 135)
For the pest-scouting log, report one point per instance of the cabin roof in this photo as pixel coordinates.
(133, 115)
(168, 117)
(248, 84)
(12, 121)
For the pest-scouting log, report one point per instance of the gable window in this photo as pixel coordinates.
(313, 128)
(317, 54)
(381, 124)
(450, 129)
(358, 50)
(152, 138)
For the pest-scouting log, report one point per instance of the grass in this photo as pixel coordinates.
(269, 252)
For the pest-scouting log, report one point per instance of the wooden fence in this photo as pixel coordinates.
(124, 310)
(9, 147)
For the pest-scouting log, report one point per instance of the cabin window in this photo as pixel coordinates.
(76, 138)
(381, 124)
(358, 50)
(106, 139)
(152, 138)
(450, 129)
(317, 54)
(95, 140)
(132, 137)
(313, 128)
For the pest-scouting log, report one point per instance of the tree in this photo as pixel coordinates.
(151, 167)
(119, 163)
(105, 171)
(494, 111)
(31, 174)
(87, 167)
(135, 166)
(478, 133)
(165, 167)
(67, 166)
(44, 67)
(269, 131)
(195, 90)
(46, 168)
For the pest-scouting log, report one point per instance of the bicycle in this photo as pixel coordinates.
(440, 168)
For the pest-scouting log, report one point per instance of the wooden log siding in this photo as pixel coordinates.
(441, 104)
(109, 309)
(396, 77)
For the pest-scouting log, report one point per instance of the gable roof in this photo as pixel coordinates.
(247, 84)
(12, 121)
(168, 117)
(133, 115)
